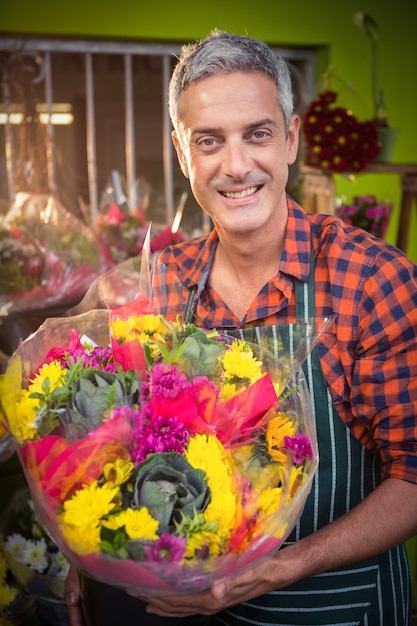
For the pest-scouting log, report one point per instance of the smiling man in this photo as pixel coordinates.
(268, 262)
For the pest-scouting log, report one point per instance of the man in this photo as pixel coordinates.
(267, 262)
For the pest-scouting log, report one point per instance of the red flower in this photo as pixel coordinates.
(335, 139)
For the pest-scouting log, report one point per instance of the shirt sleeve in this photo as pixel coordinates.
(384, 378)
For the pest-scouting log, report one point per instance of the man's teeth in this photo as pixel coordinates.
(240, 194)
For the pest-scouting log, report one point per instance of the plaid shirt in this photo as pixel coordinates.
(369, 359)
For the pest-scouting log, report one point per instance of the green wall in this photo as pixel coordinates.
(320, 23)
(323, 23)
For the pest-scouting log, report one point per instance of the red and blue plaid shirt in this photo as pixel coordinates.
(369, 359)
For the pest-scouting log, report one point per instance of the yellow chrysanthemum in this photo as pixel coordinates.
(119, 472)
(240, 363)
(277, 428)
(139, 524)
(296, 479)
(22, 418)
(82, 539)
(51, 371)
(143, 328)
(228, 390)
(207, 453)
(269, 501)
(89, 504)
(202, 539)
(259, 475)
(7, 595)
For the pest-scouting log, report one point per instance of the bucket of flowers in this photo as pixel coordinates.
(161, 456)
(16, 605)
(35, 561)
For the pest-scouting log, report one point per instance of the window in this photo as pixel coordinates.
(103, 107)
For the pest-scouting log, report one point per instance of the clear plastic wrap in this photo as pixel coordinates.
(161, 456)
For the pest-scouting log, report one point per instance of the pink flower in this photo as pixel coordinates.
(300, 448)
(166, 548)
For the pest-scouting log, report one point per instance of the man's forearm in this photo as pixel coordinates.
(387, 517)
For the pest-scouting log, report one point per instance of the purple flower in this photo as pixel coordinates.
(300, 447)
(166, 548)
(164, 434)
(98, 358)
(167, 381)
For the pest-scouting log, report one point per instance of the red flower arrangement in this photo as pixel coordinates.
(335, 139)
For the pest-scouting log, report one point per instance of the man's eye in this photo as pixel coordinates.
(259, 134)
(207, 142)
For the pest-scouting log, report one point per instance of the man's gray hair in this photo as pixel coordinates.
(223, 52)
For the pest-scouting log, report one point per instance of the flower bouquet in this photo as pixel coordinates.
(48, 256)
(368, 213)
(160, 456)
(122, 228)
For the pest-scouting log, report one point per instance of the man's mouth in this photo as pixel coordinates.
(241, 194)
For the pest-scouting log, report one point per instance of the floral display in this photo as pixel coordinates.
(368, 213)
(123, 233)
(160, 456)
(36, 562)
(335, 139)
(47, 255)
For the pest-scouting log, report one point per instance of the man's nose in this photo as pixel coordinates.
(236, 160)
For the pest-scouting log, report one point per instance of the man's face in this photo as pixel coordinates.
(233, 147)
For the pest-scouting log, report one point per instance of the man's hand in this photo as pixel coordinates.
(73, 598)
(371, 528)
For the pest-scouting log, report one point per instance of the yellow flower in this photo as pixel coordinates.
(269, 500)
(207, 453)
(22, 418)
(89, 505)
(139, 524)
(277, 428)
(240, 363)
(201, 539)
(82, 539)
(259, 475)
(228, 390)
(118, 472)
(51, 371)
(295, 480)
(143, 328)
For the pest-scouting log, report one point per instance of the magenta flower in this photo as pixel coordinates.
(167, 381)
(164, 434)
(166, 548)
(300, 448)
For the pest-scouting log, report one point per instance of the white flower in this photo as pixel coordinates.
(36, 555)
(15, 546)
(60, 562)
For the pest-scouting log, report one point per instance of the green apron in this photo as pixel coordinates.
(375, 592)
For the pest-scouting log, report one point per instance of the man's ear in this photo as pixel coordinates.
(180, 154)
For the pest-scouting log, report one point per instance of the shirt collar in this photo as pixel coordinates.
(295, 259)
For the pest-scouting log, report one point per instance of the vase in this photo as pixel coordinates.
(387, 138)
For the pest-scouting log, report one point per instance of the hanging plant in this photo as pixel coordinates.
(335, 139)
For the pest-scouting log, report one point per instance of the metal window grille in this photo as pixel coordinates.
(51, 55)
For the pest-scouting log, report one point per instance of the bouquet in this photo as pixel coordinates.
(335, 139)
(122, 228)
(368, 213)
(47, 255)
(36, 562)
(160, 456)
(15, 604)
